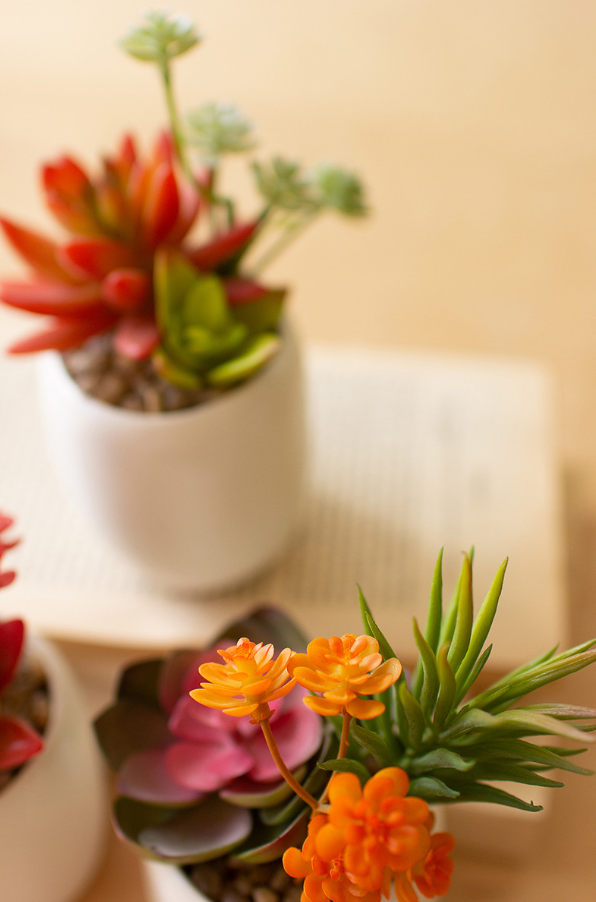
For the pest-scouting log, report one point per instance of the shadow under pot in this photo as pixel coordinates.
(202, 499)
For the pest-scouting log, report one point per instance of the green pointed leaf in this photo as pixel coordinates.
(481, 793)
(429, 684)
(263, 314)
(521, 750)
(178, 375)
(371, 628)
(466, 727)
(210, 829)
(564, 712)
(447, 688)
(373, 743)
(449, 620)
(431, 788)
(258, 351)
(511, 773)
(482, 626)
(347, 766)
(464, 618)
(439, 759)
(476, 671)
(414, 715)
(532, 723)
(435, 607)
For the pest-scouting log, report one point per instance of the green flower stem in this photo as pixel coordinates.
(179, 142)
(281, 765)
(287, 236)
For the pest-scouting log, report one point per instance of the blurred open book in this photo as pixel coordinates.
(409, 453)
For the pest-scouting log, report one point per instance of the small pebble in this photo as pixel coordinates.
(230, 894)
(208, 880)
(264, 894)
(111, 388)
(293, 893)
(280, 880)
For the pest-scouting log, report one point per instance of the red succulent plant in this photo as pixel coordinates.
(101, 278)
(18, 741)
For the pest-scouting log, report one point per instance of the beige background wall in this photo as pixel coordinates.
(474, 125)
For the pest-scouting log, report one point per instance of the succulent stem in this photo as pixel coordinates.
(281, 765)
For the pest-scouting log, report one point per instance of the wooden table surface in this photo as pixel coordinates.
(474, 126)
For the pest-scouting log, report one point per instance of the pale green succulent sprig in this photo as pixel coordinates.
(292, 196)
(454, 743)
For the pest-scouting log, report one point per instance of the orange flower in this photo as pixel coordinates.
(384, 831)
(433, 876)
(343, 670)
(324, 878)
(247, 682)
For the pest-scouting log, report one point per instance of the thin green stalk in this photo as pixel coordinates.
(287, 236)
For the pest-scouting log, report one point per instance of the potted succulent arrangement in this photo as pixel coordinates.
(358, 751)
(50, 771)
(156, 304)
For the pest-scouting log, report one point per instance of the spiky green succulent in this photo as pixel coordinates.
(453, 742)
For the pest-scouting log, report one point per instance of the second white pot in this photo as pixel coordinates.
(202, 499)
(53, 814)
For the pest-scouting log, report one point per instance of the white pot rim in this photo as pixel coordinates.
(52, 360)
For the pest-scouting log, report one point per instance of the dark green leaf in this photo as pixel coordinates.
(478, 792)
(371, 628)
(373, 743)
(431, 788)
(414, 715)
(482, 626)
(438, 759)
(206, 831)
(128, 727)
(447, 689)
(139, 682)
(464, 618)
(428, 685)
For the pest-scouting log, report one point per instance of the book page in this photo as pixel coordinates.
(409, 453)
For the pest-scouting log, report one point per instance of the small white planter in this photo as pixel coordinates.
(202, 499)
(53, 817)
(166, 883)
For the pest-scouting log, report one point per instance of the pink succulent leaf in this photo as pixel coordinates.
(145, 777)
(11, 642)
(136, 336)
(18, 742)
(206, 767)
(197, 723)
(298, 736)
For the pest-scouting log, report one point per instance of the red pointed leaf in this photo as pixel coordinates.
(5, 522)
(66, 178)
(12, 633)
(211, 255)
(189, 208)
(7, 578)
(125, 289)
(243, 291)
(162, 205)
(163, 149)
(39, 252)
(136, 337)
(65, 333)
(52, 298)
(95, 257)
(18, 742)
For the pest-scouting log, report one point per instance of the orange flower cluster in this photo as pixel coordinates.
(247, 682)
(370, 839)
(343, 670)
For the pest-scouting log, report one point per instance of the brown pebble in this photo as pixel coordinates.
(88, 382)
(292, 893)
(208, 881)
(151, 399)
(264, 894)
(111, 388)
(230, 894)
(131, 402)
(280, 880)
(39, 709)
(243, 884)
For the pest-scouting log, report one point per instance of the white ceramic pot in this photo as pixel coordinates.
(202, 499)
(166, 883)
(53, 815)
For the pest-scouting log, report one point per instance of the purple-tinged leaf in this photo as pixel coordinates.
(249, 794)
(145, 777)
(207, 831)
